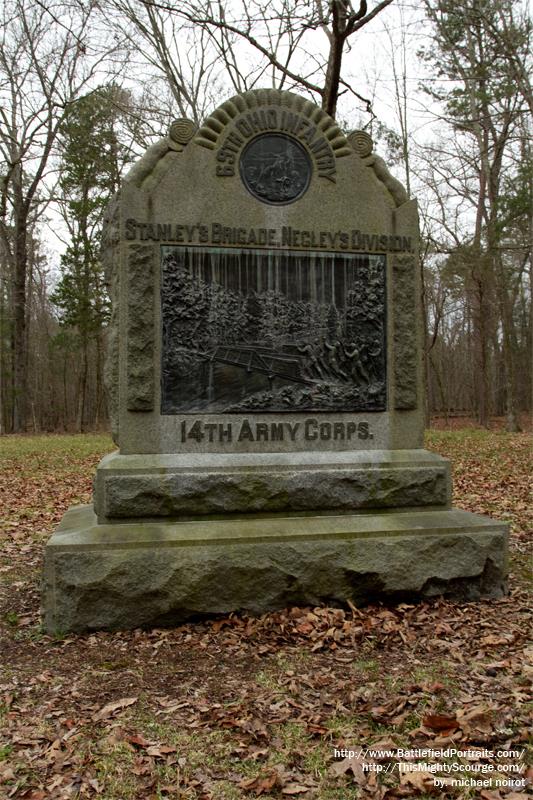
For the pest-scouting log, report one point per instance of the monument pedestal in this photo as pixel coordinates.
(198, 484)
(174, 537)
(135, 574)
(265, 384)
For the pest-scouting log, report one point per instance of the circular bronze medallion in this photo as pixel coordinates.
(275, 168)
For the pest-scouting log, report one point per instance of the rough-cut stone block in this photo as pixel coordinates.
(129, 487)
(216, 493)
(144, 574)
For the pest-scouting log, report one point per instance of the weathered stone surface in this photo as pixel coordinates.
(286, 471)
(129, 487)
(140, 341)
(405, 333)
(130, 575)
(197, 198)
(111, 261)
(213, 130)
(215, 493)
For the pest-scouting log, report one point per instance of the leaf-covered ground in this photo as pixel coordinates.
(287, 705)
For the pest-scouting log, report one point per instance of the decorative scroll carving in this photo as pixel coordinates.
(257, 331)
(110, 254)
(140, 346)
(182, 130)
(363, 145)
(405, 333)
(214, 126)
(153, 162)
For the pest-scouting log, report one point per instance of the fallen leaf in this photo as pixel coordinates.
(109, 709)
(440, 722)
(6, 774)
(160, 752)
(424, 781)
(295, 788)
(478, 718)
(261, 783)
(354, 764)
(517, 796)
(137, 739)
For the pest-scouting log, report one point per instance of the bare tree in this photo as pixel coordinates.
(179, 55)
(276, 33)
(483, 112)
(46, 59)
(397, 53)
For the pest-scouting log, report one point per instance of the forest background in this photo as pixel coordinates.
(443, 88)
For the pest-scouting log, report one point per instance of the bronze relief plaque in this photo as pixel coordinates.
(262, 331)
(275, 168)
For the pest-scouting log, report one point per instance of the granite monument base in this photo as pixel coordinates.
(155, 486)
(140, 574)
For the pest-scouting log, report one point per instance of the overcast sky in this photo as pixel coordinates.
(394, 35)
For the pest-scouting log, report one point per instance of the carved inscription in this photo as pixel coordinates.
(280, 121)
(405, 333)
(140, 333)
(286, 237)
(251, 331)
(310, 430)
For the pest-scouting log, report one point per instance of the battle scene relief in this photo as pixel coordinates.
(259, 331)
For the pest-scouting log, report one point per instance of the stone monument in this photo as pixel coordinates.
(265, 384)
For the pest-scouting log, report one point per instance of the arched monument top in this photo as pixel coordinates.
(212, 131)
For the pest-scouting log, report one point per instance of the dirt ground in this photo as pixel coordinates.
(413, 700)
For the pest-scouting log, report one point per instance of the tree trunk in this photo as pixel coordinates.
(440, 385)
(82, 388)
(20, 354)
(99, 382)
(333, 74)
(508, 352)
(481, 320)
(4, 367)
(65, 393)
